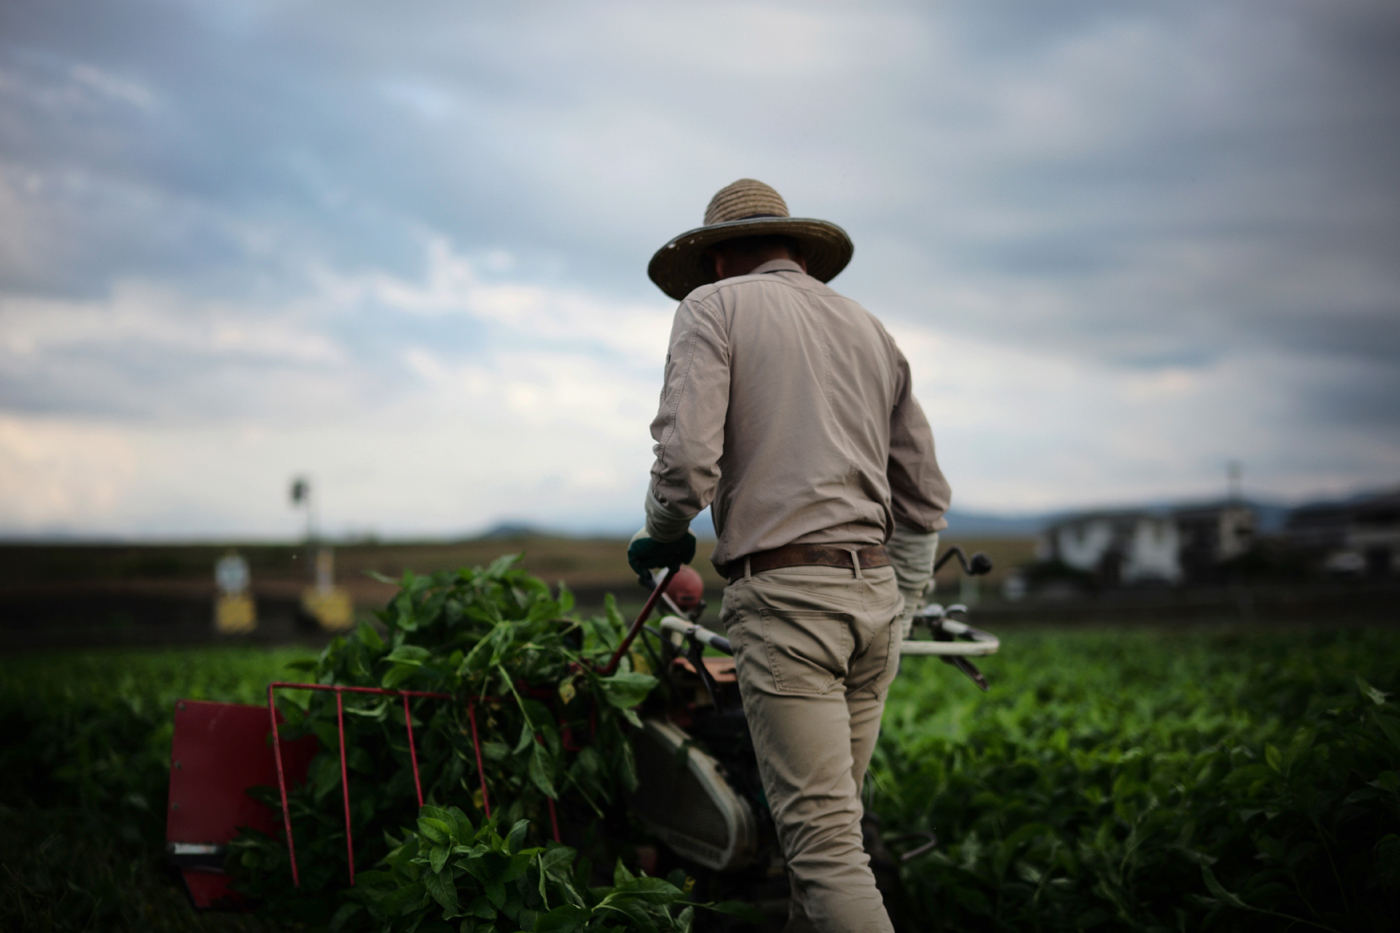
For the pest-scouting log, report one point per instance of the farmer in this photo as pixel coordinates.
(788, 410)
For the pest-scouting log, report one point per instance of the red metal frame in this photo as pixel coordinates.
(476, 747)
(656, 592)
(339, 692)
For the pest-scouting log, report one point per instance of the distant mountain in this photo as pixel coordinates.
(969, 524)
(618, 525)
(962, 523)
(512, 530)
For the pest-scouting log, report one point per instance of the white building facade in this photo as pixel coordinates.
(1117, 547)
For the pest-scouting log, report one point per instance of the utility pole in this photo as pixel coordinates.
(325, 602)
(302, 498)
(1234, 473)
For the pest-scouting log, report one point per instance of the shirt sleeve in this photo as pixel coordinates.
(689, 426)
(919, 494)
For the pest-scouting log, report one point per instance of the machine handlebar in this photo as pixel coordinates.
(979, 565)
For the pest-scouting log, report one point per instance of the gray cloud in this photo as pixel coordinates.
(1140, 188)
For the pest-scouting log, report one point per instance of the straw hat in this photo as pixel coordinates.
(747, 208)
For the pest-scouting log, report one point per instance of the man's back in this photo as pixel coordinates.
(791, 390)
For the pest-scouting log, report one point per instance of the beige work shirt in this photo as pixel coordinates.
(787, 408)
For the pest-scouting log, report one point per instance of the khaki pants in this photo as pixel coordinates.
(815, 650)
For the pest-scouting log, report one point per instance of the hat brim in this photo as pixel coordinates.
(679, 267)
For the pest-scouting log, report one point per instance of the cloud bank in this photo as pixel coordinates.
(403, 251)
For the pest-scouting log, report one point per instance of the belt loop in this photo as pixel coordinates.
(855, 561)
(748, 571)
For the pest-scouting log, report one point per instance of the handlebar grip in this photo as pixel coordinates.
(699, 633)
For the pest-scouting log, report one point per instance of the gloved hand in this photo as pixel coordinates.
(645, 552)
(911, 552)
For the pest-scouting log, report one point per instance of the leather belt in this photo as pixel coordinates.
(808, 555)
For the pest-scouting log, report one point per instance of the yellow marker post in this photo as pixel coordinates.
(325, 602)
(331, 608)
(235, 613)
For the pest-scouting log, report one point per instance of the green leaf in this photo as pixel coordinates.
(650, 890)
(404, 900)
(746, 912)
(519, 864)
(1377, 697)
(437, 857)
(620, 873)
(526, 737)
(629, 767)
(461, 824)
(1215, 887)
(541, 771)
(409, 654)
(1391, 728)
(434, 830)
(397, 675)
(327, 776)
(625, 691)
(1387, 780)
(630, 909)
(443, 891)
(564, 919)
(590, 762)
(539, 714)
(501, 564)
(481, 908)
(346, 911)
(369, 637)
(437, 813)
(515, 839)
(556, 861)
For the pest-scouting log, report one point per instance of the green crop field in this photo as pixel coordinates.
(1110, 780)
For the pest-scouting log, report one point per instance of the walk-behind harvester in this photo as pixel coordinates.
(699, 795)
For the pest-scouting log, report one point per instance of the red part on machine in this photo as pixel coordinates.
(686, 588)
(218, 751)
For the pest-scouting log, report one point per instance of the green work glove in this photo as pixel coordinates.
(645, 552)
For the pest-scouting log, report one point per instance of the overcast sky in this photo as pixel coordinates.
(401, 248)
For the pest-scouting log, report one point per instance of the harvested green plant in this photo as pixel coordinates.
(522, 677)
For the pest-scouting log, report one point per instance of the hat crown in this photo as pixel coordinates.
(746, 197)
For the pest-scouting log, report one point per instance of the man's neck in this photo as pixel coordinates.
(727, 266)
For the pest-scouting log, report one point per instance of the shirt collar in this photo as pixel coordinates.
(776, 265)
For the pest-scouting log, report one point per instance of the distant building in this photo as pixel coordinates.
(1199, 543)
(1375, 533)
(1321, 527)
(1350, 538)
(1212, 535)
(1116, 547)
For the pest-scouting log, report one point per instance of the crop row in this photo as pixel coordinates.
(1154, 782)
(1111, 780)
